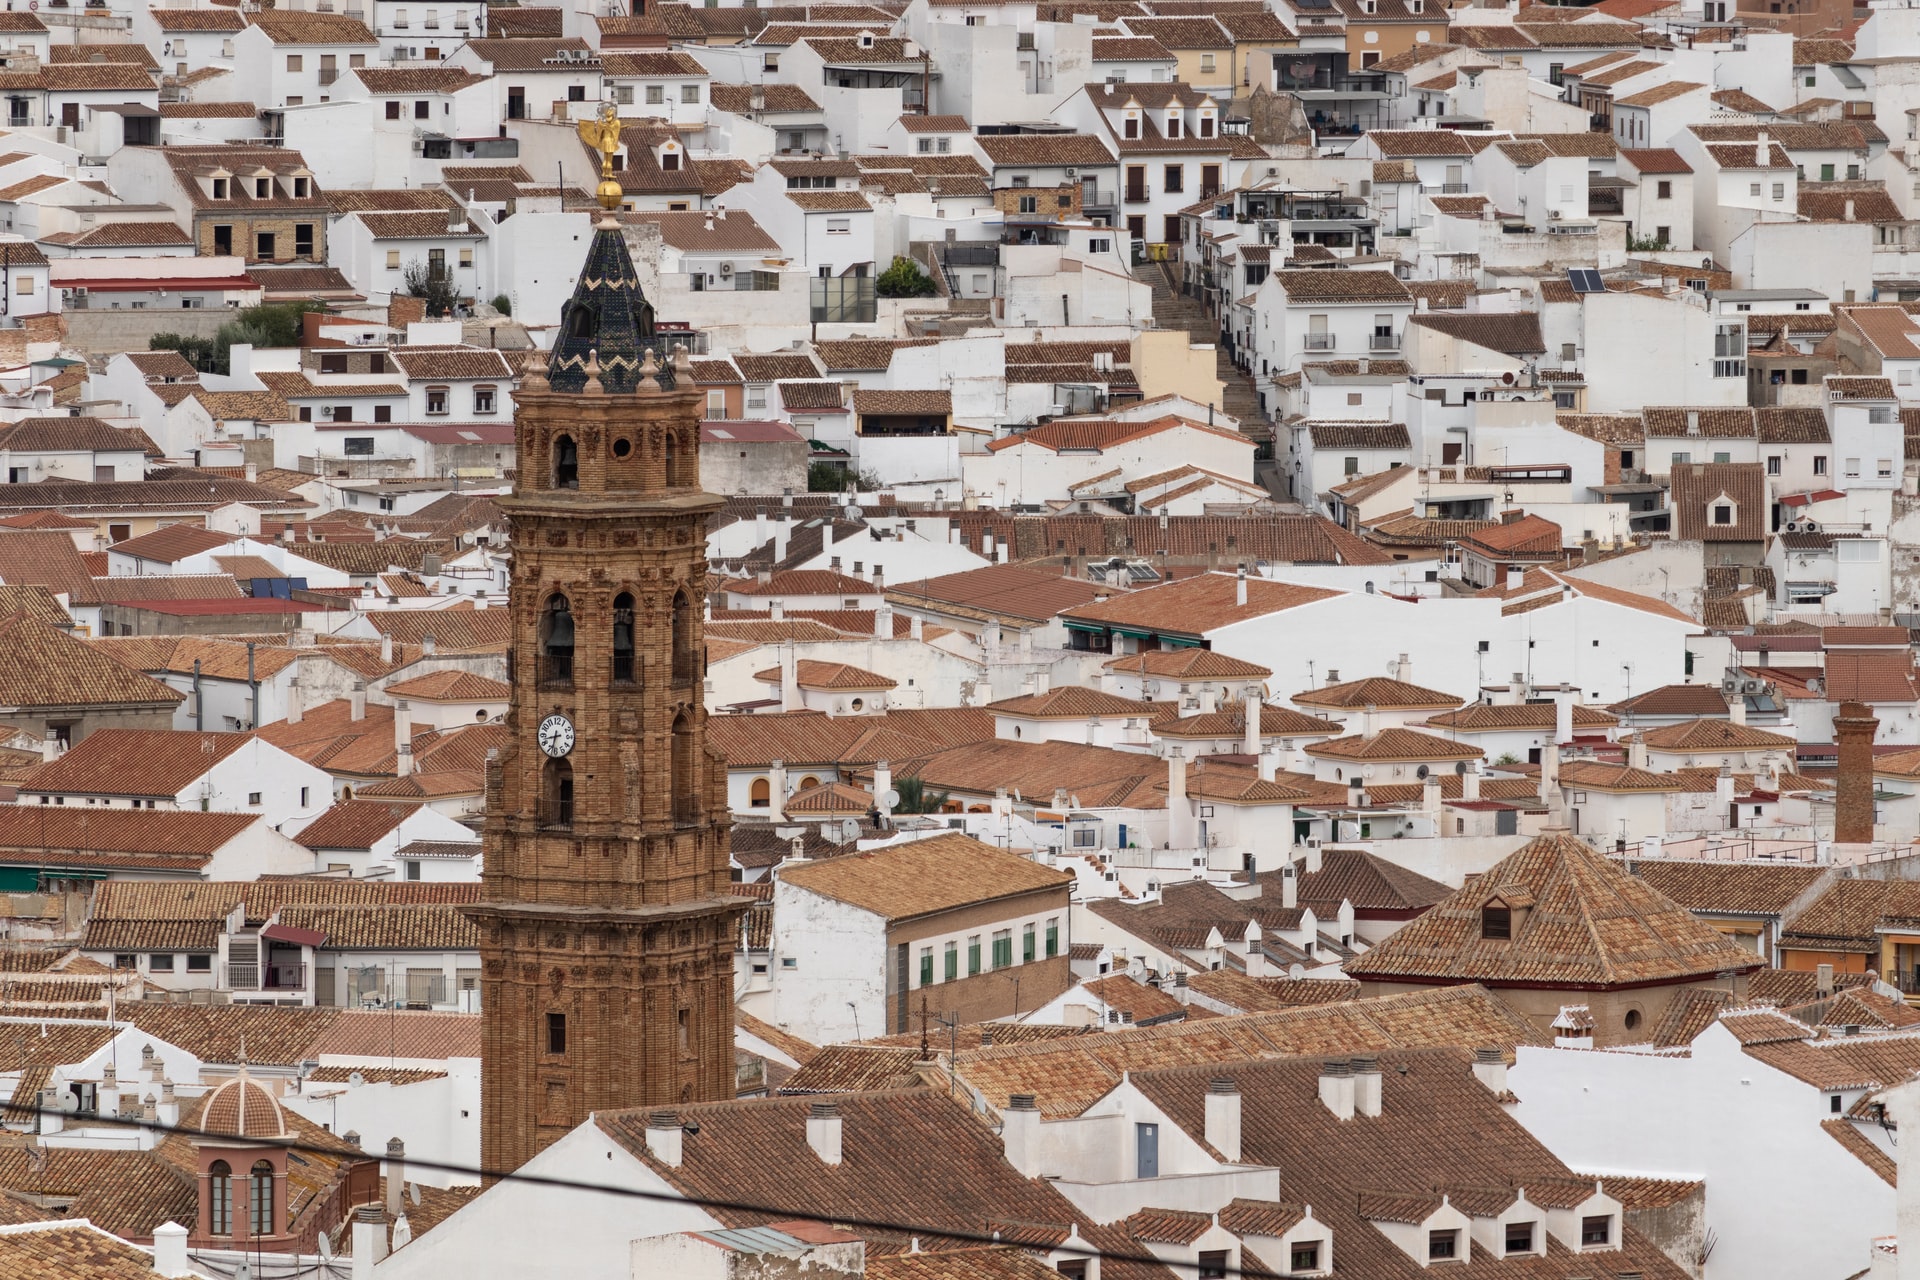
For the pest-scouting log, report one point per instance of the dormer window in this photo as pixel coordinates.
(1174, 129)
(1496, 922)
(1206, 124)
(1443, 1246)
(301, 188)
(670, 160)
(1132, 126)
(1369, 6)
(263, 188)
(1596, 1231)
(1520, 1237)
(1416, 6)
(866, 39)
(220, 188)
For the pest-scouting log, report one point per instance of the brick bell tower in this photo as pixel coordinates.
(607, 931)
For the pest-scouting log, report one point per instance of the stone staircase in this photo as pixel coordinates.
(1174, 310)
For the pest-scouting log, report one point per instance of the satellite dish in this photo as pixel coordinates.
(69, 1104)
(326, 1248)
(413, 1193)
(849, 830)
(244, 1271)
(890, 798)
(356, 1079)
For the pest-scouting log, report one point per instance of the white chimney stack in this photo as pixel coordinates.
(1336, 1087)
(883, 622)
(1240, 587)
(665, 1137)
(882, 783)
(357, 701)
(402, 726)
(1252, 744)
(1223, 1118)
(369, 1240)
(296, 705)
(776, 791)
(1020, 1134)
(1367, 1084)
(823, 1131)
(170, 1245)
(1490, 1069)
(1289, 886)
(1179, 833)
(789, 678)
(1251, 951)
(396, 1177)
(386, 649)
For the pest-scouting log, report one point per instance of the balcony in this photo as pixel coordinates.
(272, 977)
(1384, 342)
(1136, 195)
(1320, 342)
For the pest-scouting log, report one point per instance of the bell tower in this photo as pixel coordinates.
(607, 931)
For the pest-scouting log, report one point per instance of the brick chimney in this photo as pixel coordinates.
(1854, 728)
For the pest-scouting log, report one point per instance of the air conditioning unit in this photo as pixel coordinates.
(1730, 686)
(1072, 173)
(1792, 526)
(1809, 526)
(726, 269)
(326, 412)
(1753, 686)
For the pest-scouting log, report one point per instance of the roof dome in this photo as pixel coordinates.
(242, 1109)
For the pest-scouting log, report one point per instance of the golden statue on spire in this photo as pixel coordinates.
(602, 133)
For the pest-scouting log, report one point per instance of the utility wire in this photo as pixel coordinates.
(925, 1231)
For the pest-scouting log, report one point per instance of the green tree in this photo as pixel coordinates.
(903, 280)
(434, 288)
(269, 325)
(915, 798)
(503, 304)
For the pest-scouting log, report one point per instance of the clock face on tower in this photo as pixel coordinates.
(556, 736)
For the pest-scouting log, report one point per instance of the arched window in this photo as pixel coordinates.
(623, 638)
(260, 1205)
(556, 641)
(220, 1198)
(686, 786)
(809, 782)
(760, 794)
(566, 463)
(556, 793)
(683, 656)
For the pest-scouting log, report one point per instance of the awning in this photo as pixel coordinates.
(292, 936)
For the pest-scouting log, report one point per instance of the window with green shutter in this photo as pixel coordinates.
(1003, 949)
(953, 961)
(926, 966)
(1027, 945)
(973, 955)
(1053, 938)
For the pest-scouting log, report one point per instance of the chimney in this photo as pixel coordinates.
(1313, 859)
(664, 1137)
(252, 471)
(1020, 1133)
(1490, 1069)
(1289, 886)
(1637, 752)
(883, 622)
(396, 1178)
(789, 678)
(1251, 952)
(386, 650)
(1737, 709)
(759, 526)
(1269, 764)
(780, 535)
(1178, 833)
(52, 1118)
(369, 1240)
(1760, 149)
(1470, 781)
(402, 725)
(1366, 1084)
(357, 701)
(427, 645)
(1515, 578)
(777, 609)
(823, 1131)
(917, 627)
(170, 1250)
(1563, 717)
(1240, 587)
(1333, 676)
(49, 749)
(1403, 669)
(1849, 208)
(1723, 790)
(1252, 727)
(1693, 422)
(1430, 797)
(879, 578)
(1223, 1118)
(296, 707)
(1336, 1087)
(776, 791)
(1823, 981)
(882, 783)
(1517, 687)
(1854, 728)
(1004, 550)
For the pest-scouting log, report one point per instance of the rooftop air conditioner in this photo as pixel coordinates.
(726, 269)
(1730, 686)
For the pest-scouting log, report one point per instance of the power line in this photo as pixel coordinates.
(920, 1231)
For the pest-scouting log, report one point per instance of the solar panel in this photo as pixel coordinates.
(1586, 280)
